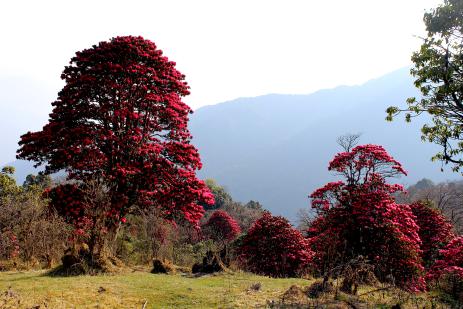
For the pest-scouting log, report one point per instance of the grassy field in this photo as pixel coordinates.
(135, 289)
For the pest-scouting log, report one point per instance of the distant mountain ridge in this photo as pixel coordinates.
(276, 148)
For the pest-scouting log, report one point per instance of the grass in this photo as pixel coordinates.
(132, 290)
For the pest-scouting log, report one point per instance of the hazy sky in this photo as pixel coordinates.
(226, 49)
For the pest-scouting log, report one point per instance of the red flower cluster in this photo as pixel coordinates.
(273, 247)
(359, 217)
(221, 227)
(120, 121)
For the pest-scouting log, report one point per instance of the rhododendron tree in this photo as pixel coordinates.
(435, 230)
(273, 247)
(221, 227)
(119, 125)
(358, 217)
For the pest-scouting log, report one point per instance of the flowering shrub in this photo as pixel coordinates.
(221, 227)
(120, 122)
(448, 270)
(359, 217)
(273, 247)
(451, 259)
(435, 231)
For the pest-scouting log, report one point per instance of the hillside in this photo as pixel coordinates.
(276, 148)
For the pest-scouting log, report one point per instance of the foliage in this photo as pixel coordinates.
(245, 215)
(439, 76)
(273, 247)
(447, 272)
(359, 218)
(29, 232)
(221, 196)
(147, 236)
(221, 227)
(446, 196)
(40, 182)
(119, 127)
(8, 185)
(434, 230)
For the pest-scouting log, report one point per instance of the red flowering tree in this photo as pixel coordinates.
(435, 230)
(358, 217)
(274, 248)
(119, 130)
(221, 227)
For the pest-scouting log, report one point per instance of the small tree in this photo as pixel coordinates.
(119, 130)
(39, 182)
(359, 218)
(274, 248)
(8, 184)
(221, 227)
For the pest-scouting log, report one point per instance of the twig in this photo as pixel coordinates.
(144, 305)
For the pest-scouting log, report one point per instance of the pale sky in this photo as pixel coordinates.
(226, 49)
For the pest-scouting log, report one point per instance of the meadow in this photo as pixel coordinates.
(141, 289)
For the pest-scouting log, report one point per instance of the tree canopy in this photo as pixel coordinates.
(119, 130)
(438, 72)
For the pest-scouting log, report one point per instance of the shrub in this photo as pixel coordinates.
(221, 227)
(273, 247)
(30, 232)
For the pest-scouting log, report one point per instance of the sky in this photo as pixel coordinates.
(226, 49)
